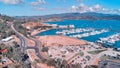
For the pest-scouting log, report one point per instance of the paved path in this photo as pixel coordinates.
(92, 61)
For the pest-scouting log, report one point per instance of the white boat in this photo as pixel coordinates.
(110, 39)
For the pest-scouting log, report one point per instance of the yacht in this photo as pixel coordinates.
(110, 39)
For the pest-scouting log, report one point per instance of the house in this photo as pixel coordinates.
(109, 64)
(7, 39)
(4, 51)
(1, 20)
(4, 61)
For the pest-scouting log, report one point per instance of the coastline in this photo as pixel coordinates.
(35, 32)
(78, 41)
(60, 40)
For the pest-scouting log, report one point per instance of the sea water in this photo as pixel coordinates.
(112, 25)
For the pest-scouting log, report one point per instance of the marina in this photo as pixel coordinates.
(87, 30)
(110, 39)
(89, 34)
(72, 31)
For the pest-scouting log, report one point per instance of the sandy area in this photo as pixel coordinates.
(35, 32)
(16, 38)
(30, 25)
(34, 24)
(7, 63)
(97, 61)
(40, 65)
(32, 55)
(31, 43)
(60, 40)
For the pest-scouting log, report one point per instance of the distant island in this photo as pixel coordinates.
(72, 16)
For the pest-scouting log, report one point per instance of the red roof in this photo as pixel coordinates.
(4, 50)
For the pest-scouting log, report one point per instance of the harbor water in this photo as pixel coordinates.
(112, 27)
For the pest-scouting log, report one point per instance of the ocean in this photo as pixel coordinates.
(113, 27)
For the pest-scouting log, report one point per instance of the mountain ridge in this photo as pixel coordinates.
(75, 16)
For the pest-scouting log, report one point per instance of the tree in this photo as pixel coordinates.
(88, 58)
(64, 64)
(91, 66)
(51, 62)
(15, 43)
(78, 65)
(45, 49)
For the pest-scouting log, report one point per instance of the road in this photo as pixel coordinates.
(24, 43)
(37, 48)
(92, 61)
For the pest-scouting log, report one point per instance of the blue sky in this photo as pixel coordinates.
(44, 7)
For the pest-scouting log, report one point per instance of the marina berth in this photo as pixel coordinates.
(89, 34)
(110, 39)
(72, 31)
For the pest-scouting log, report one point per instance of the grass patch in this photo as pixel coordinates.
(96, 51)
(80, 54)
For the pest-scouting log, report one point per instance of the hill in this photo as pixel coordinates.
(5, 18)
(72, 16)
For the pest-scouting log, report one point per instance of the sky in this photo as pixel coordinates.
(45, 7)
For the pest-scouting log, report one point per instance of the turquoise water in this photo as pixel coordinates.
(112, 25)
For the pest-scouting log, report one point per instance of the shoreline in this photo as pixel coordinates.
(60, 40)
(35, 32)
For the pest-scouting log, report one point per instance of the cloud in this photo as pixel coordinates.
(60, 9)
(113, 11)
(41, 9)
(97, 7)
(38, 2)
(35, 3)
(61, 0)
(79, 1)
(11, 1)
(82, 8)
(74, 8)
(42, 1)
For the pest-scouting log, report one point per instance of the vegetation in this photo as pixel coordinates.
(15, 54)
(81, 53)
(88, 58)
(92, 66)
(5, 30)
(62, 64)
(74, 16)
(18, 26)
(6, 18)
(104, 57)
(45, 49)
(96, 51)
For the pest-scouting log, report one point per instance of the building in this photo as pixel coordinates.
(109, 64)
(4, 51)
(7, 39)
(1, 20)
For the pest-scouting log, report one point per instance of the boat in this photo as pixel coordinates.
(110, 39)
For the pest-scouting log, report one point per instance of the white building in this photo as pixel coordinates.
(7, 39)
